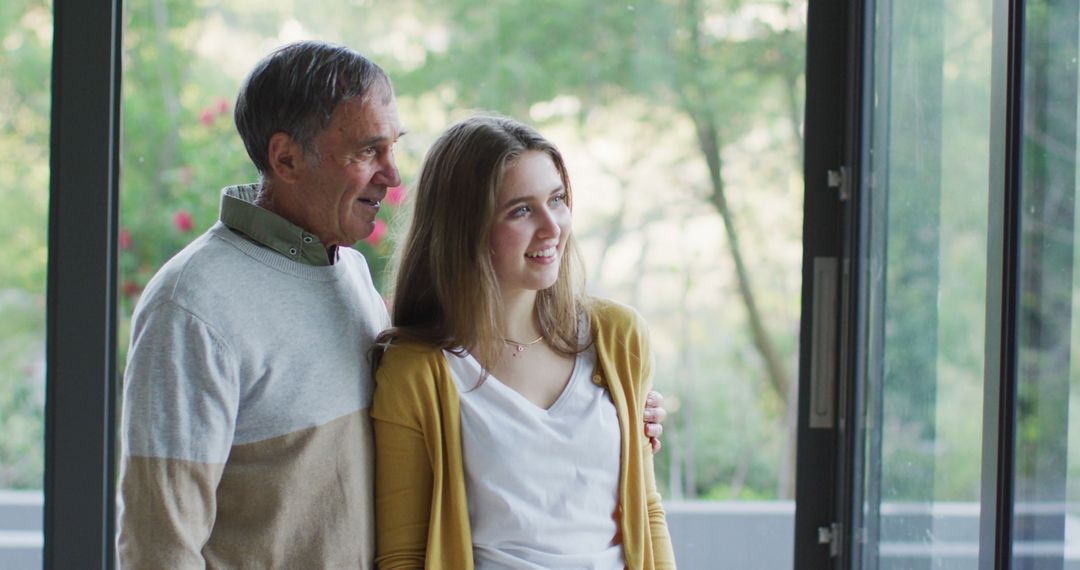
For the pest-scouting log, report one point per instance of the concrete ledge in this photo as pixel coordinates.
(751, 535)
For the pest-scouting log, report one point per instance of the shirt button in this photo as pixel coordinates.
(597, 379)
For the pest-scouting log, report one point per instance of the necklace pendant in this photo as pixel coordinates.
(519, 347)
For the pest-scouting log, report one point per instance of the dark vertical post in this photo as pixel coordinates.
(858, 515)
(825, 121)
(996, 520)
(81, 309)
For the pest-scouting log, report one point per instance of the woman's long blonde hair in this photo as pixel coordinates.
(446, 293)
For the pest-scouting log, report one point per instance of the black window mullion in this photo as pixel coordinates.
(853, 485)
(817, 537)
(81, 300)
(1003, 241)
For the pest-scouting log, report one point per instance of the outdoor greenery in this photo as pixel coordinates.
(681, 121)
(25, 37)
(682, 124)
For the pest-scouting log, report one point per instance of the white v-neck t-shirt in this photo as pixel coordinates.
(542, 484)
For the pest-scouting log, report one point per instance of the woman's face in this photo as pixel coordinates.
(532, 223)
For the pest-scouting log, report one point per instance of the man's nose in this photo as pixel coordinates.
(388, 173)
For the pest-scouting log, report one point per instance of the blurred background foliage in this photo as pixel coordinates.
(681, 121)
(26, 38)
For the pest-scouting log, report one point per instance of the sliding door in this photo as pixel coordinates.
(956, 289)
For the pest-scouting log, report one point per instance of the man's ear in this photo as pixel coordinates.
(286, 157)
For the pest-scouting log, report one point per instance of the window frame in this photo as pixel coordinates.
(80, 470)
(81, 301)
(1002, 286)
(1002, 280)
(835, 51)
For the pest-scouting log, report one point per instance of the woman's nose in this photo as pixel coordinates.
(549, 225)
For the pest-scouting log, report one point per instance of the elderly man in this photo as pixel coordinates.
(247, 437)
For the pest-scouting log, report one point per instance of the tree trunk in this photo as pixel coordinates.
(777, 376)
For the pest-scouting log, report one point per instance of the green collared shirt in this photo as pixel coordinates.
(240, 214)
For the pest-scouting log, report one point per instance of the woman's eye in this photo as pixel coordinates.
(558, 199)
(519, 211)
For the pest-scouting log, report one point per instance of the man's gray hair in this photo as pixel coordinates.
(296, 89)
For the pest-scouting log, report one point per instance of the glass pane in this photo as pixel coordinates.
(26, 39)
(681, 124)
(926, 211)
(1047, 478)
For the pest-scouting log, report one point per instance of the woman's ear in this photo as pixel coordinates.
(285, 156)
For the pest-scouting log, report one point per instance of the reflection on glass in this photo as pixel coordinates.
(927, 224)
(26, 39)
(1045, 511)
(681, 124)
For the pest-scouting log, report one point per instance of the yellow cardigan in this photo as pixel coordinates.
(421, 511)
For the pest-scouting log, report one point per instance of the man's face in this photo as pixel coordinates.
(342, 184)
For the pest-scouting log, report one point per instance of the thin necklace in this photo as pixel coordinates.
(519, 347)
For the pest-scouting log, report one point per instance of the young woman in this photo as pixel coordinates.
(507, 406)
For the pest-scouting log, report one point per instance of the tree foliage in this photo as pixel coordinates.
(683, 119)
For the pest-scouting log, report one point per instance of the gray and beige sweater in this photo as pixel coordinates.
(246, 432)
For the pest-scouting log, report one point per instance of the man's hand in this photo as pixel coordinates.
(654, 416)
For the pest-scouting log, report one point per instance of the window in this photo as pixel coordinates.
(927, 206)
(26, 34)
(1046, 478)
(955, 429)
(968, 289)
(682, 130)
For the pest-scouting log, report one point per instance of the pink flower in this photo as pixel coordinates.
(125, 240)
(129, 288)
(222, 105)
(182, 221)
(207, 117)
(395, 195)
(377, 233)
